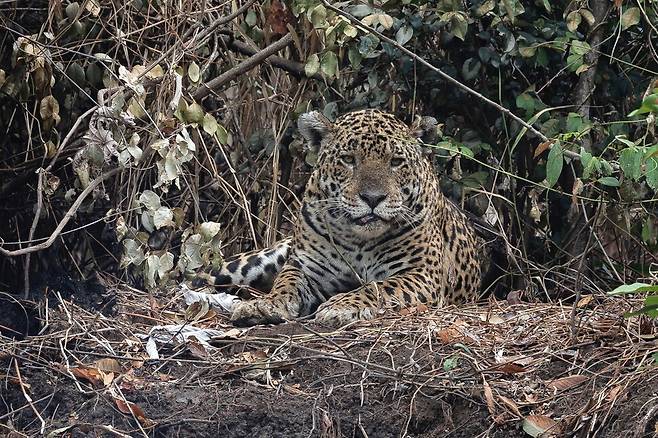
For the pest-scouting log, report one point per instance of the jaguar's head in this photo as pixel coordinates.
(371, 172)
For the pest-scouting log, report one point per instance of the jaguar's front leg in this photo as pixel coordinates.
(290, 297)
(405, 290)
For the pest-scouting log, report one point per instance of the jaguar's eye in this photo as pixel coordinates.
(347, 159)
(397, 161)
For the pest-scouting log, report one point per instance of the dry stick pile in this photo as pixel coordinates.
(514, 361)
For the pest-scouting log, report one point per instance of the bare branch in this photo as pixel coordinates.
(241, 68)
(65, 220)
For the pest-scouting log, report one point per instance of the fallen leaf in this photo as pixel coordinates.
(108, 365)
(131, 408)
(511, 368)
(91, 375)
(511, 405)
(197, 349)
(584, 301)
(491, 318)
(448, 335)
(568, 382)
(108, 378)
(613, 393)
(488, 396)
(536, 425)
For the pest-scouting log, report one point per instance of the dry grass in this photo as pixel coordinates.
(508, 362)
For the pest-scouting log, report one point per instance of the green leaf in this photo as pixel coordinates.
(554, 164)
(312, 65)
(404, 34)
(459, 25)
(527, 102)
(630, 17)
(222, 135)
(633, 289)
(630, 161)
(649, 104)
(354, 56)
(209, 124)
(652, 173)
(251, 18)
(350, 31)
(450, 363)
(329, 64)
(318, 16)
(609, 181)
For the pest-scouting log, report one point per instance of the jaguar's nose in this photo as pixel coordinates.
(373, 199)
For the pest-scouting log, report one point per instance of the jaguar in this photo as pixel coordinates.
(374, 232)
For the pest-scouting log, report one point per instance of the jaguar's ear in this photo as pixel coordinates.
(426, 129)
(314, 127)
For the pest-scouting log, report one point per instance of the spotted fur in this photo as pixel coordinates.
(374, 231)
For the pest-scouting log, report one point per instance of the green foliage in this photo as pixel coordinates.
(650, 307)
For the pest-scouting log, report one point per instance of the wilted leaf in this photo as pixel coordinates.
(94, 7)
(448, 335)
(132, 253)
(386, 21)
(588, 16)
(542, 147)
(163, 217)
(194, 72)
(459, 26)
(49, 109)
(279, 17)
(568, 382)
(150, 200)
(535, 425)
(350, 31)
(573, 20)
(630, 17)
(312, 65)
(209, 230)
